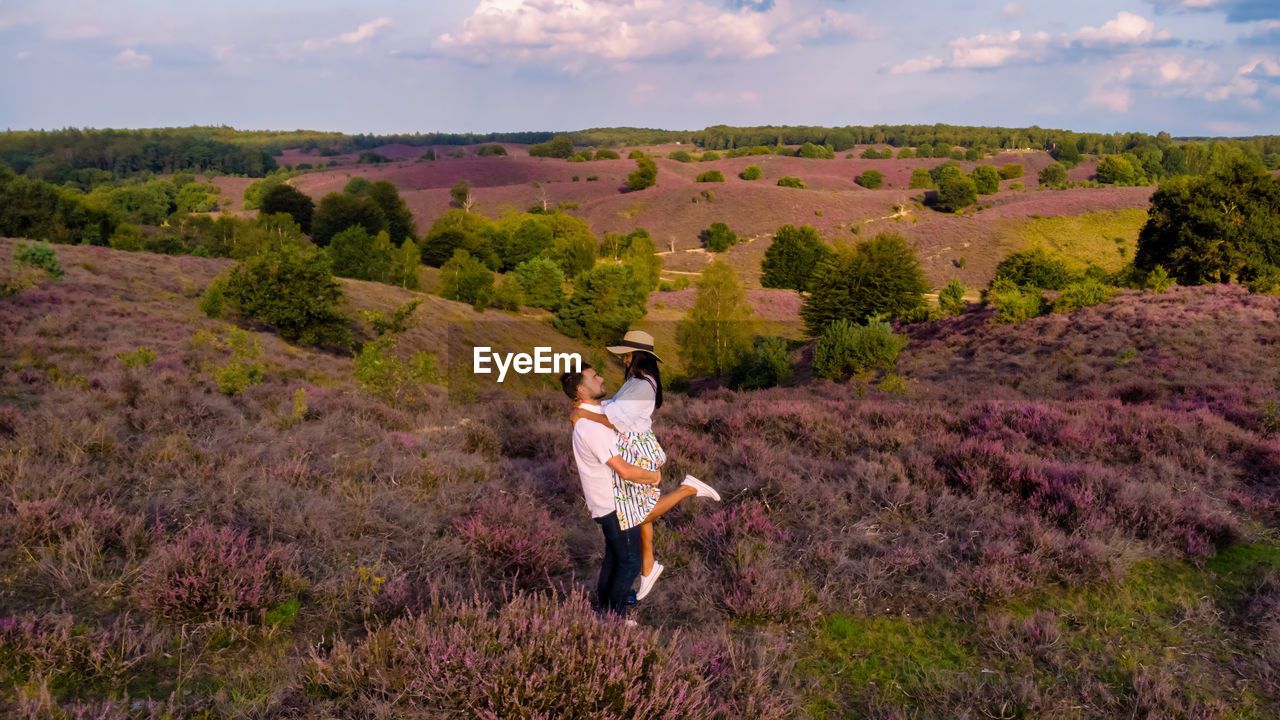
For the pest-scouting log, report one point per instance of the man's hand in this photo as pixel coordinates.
(634, 473)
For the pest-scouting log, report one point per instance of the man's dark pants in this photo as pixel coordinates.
(621, 564)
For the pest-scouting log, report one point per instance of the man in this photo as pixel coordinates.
(595, 450)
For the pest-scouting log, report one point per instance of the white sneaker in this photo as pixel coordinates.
(647, 581)
(704, 490)
(630, 623)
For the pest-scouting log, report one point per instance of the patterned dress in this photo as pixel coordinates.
(631, 412)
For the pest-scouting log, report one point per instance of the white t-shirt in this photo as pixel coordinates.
(593, 445)
(631, 409)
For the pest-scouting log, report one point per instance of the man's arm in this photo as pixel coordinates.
(634, 473)
(580, 414)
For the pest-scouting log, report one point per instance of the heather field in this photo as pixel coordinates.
(1072, 517)
(677, 209)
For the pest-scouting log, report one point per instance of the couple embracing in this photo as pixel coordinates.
(618, 461)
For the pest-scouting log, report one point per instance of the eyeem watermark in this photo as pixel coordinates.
(484, 361)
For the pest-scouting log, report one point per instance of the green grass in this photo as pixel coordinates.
(1167, 617)
(1089, 238)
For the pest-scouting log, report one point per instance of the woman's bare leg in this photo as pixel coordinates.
(665, 503)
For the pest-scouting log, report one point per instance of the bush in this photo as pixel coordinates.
(606, 155)
(955, 193)
(1082, 294)
(680, 156)
(466, 279)
(709, 156)
(870, 179)
(561, 146)
(920, 179)
(206, 574)
(1013, 305)
(292, 289)
(986, 179)
(636, 155)
(141, 357)
(792, 257)
(1035, 269)
(847, 349)
(718, 237)
(766, 366)
(751, 172)
(41, 256)
(951, 298)
(235, 377)
(1053, 174)
(369, 156)
(791, 182)
(1011, 171)
(1158, 280)
(645, 175)
(382, 374)
(212, 303)
(711, 176)
(879, 277)
(488, 150)
(819, 152)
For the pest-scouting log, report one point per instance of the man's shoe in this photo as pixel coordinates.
(631, 598)
(647, 581)
(630, 623)
(704, 490)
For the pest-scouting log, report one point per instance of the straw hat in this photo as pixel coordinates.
(635, 341)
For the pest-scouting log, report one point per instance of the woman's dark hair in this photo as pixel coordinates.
(645, 365)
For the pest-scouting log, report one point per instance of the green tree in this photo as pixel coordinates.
(716, 334)
(355, 254)
(461, 194)
(955, 193)
(643, 259)
(790, 260)
(1116, 170)
(920, 179)
(524, 238)
(400, 225)
(718, 237)
(1221, 227)
(879, 277)
(357, 186)
(455, 230)
(291, 288)
(338, 211)
(1053, 174)
(943, 171)
(404, 266)
(466, 279)
(542, 282)
(645, 175)
(766, 366)
(751, 172)
(871, 179)
(846, 348)
(986, 179)
(1035, 269)
(285, 198)
(604, 303)
(951, 298)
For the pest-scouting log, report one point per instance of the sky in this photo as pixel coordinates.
(1188, 67)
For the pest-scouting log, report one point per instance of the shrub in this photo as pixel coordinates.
(766, 366)
(292, 289)
(955, 193)
(1011, 171)
(819, 152)
(920, 179)
(1013, 305)
(709, 156)
(212, 303)
(791, 182)
(1158, 280)
(507, 294)
(235, 377)
(986, 179)
(466, 279)
(1035, 269)
(561, 146)
(382, 374)
(1016, 186)
(847, 349)
(1053, 174)
(399, 321)
(41, 256)
(791, 258)
(1082, 294)
(680, 156)
(878, 277)
(606, 155)
(711, 176)
(871, 179)
(512, 535)
(141, 357)
(751, 172)
(488, 150)
(214, 574)
(718, 237)
(535, 657)
(369, 156)
(636, 155)
(645, 175)
(951, 298)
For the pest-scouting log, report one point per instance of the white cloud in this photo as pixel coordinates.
(79, 31)
(1125, 29)
(1114, 99)
(991, 50)
(724, 98)
(575, 34)
(360, 34)
(132, 59)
